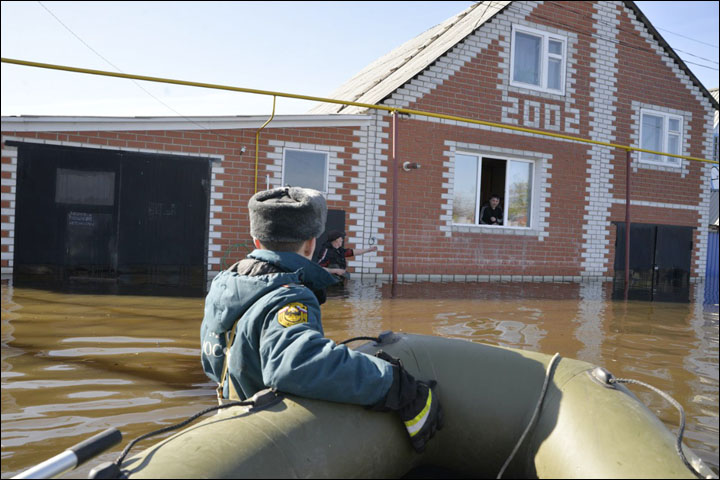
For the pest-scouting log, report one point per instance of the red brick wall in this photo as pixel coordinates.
(472, 92)
(239, 168)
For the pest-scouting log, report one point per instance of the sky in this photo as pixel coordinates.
(307, 48)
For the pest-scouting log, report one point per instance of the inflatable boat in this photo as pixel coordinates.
(586, 427)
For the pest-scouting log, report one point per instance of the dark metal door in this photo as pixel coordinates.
(335, 221)
(673, 252)
(66, 213)
(138, 220)
(163, 221)
(660, 258)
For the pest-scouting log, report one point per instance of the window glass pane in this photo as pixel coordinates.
(652, 132)
(465, 189)
(555, 47)
(674, 125)
(554, 74)
(305, 169)
(519, 178)
(674, 148)
(85, 188)
(527, 58)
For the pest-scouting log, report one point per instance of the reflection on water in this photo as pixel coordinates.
(74, 365)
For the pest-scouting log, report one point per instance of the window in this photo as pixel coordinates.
(477, 178)
(84, 187)
(305, 168)
(538, 60)
(660, 132)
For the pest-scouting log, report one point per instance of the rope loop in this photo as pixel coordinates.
(674, 403)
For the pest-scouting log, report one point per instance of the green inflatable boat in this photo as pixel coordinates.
(585, 428)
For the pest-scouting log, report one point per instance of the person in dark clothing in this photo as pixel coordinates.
(492, 214)
(262, 325)
(333, 254)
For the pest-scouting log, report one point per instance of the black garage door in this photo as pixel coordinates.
(112, 221)
(660, 257)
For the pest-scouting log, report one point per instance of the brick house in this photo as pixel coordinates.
(595, 70)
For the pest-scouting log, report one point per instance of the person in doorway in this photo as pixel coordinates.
(333, 254)
(262, 325)
(491, 213)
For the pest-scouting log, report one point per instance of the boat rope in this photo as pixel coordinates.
(678, 444)
(548, 376)
(125, 452)
(372, 339)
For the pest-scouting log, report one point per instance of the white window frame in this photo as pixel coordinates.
(478, 207)
(327, 164)
(545, 56)
(670, 161)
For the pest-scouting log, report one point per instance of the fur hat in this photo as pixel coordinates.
(287, 214)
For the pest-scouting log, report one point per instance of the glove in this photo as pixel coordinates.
(417, 402)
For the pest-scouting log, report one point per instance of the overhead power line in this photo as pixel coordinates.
(120, 70)
(696, 56)
(386, 108)
(580, 15)
(688, 38)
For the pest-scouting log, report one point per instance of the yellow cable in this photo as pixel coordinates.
(343, 102)
(257, 142)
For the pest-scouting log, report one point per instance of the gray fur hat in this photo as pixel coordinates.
(287, 214)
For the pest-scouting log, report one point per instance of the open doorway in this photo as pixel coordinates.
(492, 180)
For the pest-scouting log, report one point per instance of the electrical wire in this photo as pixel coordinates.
(203, 127)
(583, 16)
(688, 38)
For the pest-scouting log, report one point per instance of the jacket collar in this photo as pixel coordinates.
(309, 273)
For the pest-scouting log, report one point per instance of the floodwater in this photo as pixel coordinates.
(74, 365)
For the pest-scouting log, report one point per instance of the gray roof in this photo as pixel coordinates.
(390, 72)
(385, 75)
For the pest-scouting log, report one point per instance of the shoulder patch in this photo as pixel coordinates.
(293, 314)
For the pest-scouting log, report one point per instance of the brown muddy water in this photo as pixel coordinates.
(74, 365)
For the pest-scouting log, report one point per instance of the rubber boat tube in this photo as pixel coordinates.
(585, 429)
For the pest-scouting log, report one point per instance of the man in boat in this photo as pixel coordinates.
(333, 255)
(262, 324)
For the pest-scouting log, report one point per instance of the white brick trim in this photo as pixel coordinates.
(596, 221)
(333, 173)
(635, 164)
(9, 226)
(701, 244)
(213, 157)
(366, 192)
(542, 163)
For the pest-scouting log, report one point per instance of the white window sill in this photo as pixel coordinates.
(669, 166)
(536, 88)
(492, 229)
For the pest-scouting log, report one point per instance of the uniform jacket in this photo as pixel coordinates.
(278, 337)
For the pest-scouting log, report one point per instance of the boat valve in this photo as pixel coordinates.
(602, 376)
(387, 337)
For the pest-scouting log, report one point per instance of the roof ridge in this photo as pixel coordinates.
(374, 83)
(451, 22)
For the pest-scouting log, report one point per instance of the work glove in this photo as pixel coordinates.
(416, 401)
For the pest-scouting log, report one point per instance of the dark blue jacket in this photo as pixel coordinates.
(278, 337)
